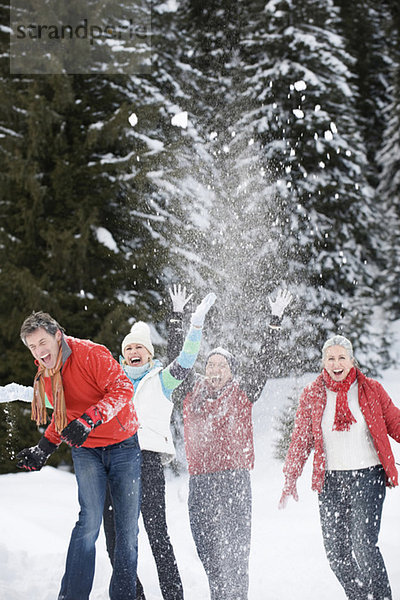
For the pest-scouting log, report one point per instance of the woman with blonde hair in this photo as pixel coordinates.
(153, 385)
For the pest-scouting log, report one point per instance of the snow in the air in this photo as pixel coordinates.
(132, 120)
(180, 120)
(105, 237)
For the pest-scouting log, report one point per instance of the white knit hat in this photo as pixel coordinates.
(230, 359)
(139, 334)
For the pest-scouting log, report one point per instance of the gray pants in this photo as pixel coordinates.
(220, 520)
(350, 506)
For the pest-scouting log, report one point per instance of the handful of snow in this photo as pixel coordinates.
(133, 120)
(180, 119)
(15, 391)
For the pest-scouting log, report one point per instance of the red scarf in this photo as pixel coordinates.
(343, 417)
(39, 395)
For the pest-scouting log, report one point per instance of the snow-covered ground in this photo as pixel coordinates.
(38, 511)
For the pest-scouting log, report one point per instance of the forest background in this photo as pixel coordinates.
(287, 174)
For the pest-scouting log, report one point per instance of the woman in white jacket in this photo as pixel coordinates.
(153, 386)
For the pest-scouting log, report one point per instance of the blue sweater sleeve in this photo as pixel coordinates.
(173, 375)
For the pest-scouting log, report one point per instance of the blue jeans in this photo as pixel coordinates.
(153, 511)
(118, 466)
(350, 506)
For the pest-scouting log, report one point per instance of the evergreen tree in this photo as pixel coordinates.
(389, 180)
(367, 34)
(273, 188)
(71, 241)
(302, 77)
(284, 425)
(66, 219)
(215, 180)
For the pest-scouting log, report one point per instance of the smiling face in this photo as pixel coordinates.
(136, 355)
(338, 362)
(218, 371)
(44, 346)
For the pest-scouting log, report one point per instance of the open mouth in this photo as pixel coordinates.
(134, 361)
(338, 372)
(214, 379)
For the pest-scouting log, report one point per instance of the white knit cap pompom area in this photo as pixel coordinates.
(139, 334)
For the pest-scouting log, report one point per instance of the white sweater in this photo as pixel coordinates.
(347, 450)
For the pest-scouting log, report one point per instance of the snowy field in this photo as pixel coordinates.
(38, 511)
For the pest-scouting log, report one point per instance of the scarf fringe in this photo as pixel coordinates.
(38, 412)
(38, 409)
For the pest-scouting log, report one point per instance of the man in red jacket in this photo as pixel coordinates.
(94, 413)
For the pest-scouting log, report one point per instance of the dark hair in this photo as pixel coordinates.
(39, 320)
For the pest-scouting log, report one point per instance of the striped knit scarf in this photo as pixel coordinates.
(343, 416)
(39, 395)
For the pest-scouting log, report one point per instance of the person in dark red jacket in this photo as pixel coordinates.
(218, 431)
(94, 413)
(347, 418)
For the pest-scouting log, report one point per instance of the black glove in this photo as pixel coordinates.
(34, 458)
(76, 432)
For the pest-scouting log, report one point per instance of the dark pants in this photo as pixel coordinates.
(350, 507)
(220, 519)
(154, 518)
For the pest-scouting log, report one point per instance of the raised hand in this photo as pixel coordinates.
(179, 297)
(201, 311)
(278, 306)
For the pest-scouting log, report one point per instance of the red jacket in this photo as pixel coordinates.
(91, 376)
(381, 415)
(218, 429)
